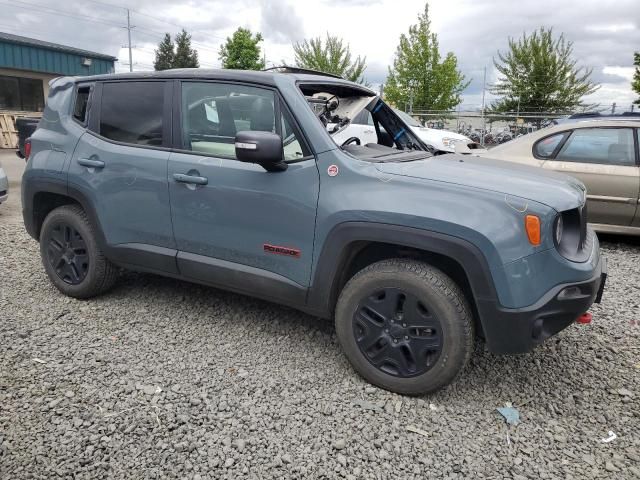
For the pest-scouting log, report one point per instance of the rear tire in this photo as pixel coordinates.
(405, 326)
(71, 255)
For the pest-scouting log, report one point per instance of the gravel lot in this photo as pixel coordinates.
(165, 379)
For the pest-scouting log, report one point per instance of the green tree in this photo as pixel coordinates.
(537, 74)
(186, 57)
(420, 77)
(165, 54)
(332, 56)
(242, 51)
(635, 84)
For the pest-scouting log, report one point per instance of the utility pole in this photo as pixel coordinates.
(613, 108)
(484, 87)
(129, 37)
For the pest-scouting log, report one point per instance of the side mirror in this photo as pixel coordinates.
(263, 148)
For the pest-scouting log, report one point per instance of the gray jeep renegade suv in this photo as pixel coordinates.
(232, 179)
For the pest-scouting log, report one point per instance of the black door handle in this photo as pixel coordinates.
(192, 179)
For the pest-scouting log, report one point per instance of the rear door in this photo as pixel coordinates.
(604, 159)
(120, 165)
(636, 220)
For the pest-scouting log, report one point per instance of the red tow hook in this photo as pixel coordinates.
(584, 319)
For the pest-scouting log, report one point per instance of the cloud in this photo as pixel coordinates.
(604, 32)
(280, 23)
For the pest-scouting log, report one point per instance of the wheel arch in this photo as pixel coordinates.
(43, 196)
(351, 246)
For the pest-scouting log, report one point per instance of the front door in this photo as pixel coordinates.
(232, 218)
(605, 160)
(121, 166)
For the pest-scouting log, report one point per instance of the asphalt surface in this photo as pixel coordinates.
(166, 379)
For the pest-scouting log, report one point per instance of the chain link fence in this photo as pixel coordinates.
(491, 128)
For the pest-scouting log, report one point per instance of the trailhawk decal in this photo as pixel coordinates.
(286, 251)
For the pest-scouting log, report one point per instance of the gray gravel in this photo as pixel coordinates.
(165, 379)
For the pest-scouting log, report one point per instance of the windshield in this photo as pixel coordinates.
(363, 125)
(406, 118)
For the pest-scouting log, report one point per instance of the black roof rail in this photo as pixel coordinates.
(287, 69)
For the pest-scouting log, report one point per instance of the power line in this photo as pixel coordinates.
(43, 9)
(50, 11)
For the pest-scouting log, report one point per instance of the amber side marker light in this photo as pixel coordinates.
(532, 226)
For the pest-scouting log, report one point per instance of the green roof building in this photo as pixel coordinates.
(27, 65)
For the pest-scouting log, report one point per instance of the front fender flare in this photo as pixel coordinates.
(322, 294)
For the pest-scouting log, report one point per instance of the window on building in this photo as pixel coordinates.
(21, 94)
(131, 112)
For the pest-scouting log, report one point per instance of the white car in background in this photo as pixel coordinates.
(442, 141)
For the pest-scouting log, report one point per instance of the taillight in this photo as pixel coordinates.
(27, 149)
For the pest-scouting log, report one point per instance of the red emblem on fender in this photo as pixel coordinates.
(289, 252)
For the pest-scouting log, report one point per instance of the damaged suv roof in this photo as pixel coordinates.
(267, 78)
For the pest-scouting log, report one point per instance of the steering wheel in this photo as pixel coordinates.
(351, 140)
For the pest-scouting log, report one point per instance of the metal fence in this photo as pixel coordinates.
(488, 128)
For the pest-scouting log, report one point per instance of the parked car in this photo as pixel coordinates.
(4, 185)
(597, 116)
(25, 127)
(602, 153)
(440, 141)
(230, 179)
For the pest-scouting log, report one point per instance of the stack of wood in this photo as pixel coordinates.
(8, 132)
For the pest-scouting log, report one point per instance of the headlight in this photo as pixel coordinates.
(450, 142)
(557, 234)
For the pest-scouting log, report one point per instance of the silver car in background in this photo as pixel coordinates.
(4, 185)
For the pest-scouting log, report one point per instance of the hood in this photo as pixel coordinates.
(427, 132)
(555, 190)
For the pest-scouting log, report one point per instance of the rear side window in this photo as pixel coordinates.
(80, 105)
(608, 146)
(131, 112)
(545, 147)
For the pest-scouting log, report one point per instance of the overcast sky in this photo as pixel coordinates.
(605, 32)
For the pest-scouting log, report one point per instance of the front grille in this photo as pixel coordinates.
(575, 243)
(583, 225)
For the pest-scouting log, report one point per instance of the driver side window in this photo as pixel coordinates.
(213, 113)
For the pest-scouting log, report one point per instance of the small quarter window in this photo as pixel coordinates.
(293, 148)
(80, 106)
(545, 147)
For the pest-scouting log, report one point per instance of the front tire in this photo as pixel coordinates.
(404, 326)
(71, 255)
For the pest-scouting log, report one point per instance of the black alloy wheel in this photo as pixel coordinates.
(67, 254)
(397, 333)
